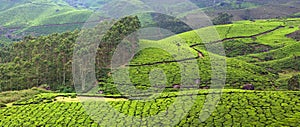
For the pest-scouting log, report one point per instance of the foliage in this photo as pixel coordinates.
(42, 98)
(170, 23)
(37, 61)
(239, 48)
(295, 35)
(2, 105)
(5, 50)
(294, 83)
(48, 59)
(236, 108)
(223, 18)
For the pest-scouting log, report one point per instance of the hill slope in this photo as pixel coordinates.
(21, 18)
(24, 17)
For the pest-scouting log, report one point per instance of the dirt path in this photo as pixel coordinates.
(85, 98)
(200, 54)
(164, 62)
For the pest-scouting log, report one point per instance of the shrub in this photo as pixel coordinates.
(293, 83)
(73, 96)
(222, 18)
(2, 105)
(66, 89)
(45, 86)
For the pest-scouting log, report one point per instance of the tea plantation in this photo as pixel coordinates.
(259, 52)
(236, 108)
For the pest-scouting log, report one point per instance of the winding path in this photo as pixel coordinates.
(200, 54)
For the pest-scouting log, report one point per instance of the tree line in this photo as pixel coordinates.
(47, 60)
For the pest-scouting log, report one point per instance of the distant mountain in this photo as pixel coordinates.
(90, 4)
(254, 9)
(41, 17)
(20, 17)
(39, 12)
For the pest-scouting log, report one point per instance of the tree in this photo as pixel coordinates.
(222, 18)
(121, 30)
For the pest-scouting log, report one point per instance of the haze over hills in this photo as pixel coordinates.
(45, 17)
(240, 8)
(19, 18)
(42, 17)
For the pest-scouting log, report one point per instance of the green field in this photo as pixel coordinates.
(236, 108)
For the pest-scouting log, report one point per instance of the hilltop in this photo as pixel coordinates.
(39, 17)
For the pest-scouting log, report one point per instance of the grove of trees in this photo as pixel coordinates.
(47, 60)
(222, 18)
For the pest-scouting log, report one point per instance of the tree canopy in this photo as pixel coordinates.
(222, 18)
(36, 61)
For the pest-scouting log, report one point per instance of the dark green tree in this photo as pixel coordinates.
(47, 60)
(222, 18)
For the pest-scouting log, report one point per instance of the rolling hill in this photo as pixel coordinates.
(24, 17)
(257, 52)
(248, 46)
(41, 17)
(236, 108)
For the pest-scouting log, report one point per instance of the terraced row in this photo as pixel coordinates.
(236, 108)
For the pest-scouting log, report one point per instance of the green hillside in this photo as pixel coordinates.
(247, 45)
(20, 18)
(37, 12)
(39, 75)
(257, 53)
